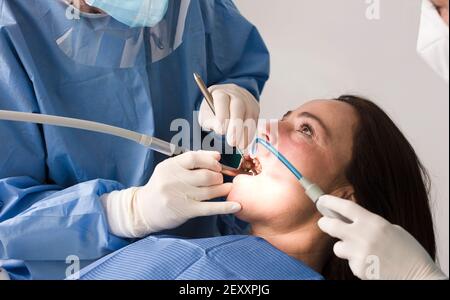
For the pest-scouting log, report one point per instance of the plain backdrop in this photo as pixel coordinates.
(325, 48)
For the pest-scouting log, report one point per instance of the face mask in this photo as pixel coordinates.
(134, 13)
(433, 40)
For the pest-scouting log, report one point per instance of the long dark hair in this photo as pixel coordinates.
(388, 179)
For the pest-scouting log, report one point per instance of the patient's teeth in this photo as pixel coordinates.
(257, 166)
(251, 166)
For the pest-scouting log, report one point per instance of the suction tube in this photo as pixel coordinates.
(311, 189)
(142, 139)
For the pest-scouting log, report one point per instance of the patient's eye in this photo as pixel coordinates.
(306, 130)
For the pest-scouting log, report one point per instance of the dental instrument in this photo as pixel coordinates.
(208, 96)
(313, 191)
(147, 141)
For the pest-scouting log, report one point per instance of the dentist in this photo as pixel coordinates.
(72, 195)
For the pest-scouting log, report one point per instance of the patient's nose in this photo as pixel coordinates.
(271, 132)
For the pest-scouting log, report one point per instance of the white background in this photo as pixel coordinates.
(325, 48)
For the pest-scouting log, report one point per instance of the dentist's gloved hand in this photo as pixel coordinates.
(235, 107)
(370, 236)
(3, 274)
(173, 195)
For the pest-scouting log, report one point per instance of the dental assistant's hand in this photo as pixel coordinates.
(237, 113)
(370, 240)
(173, 195)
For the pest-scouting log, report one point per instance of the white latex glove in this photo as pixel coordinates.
(375, 248)
(3, 274)
(173, 195)
(237, 113)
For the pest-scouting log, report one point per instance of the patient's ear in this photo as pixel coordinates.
(346, 192)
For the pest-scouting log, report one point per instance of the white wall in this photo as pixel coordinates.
(324, 48)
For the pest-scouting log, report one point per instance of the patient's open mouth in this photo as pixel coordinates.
(252, 166)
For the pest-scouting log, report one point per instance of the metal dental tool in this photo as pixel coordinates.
(208, 96)
(153, 143)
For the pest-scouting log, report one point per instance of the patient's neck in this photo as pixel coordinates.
(304, 242)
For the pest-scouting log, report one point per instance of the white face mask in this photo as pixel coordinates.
(134, 13)
(433, 40)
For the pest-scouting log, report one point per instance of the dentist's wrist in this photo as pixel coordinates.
(124, 217)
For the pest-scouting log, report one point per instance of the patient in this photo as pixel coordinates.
(352, 150)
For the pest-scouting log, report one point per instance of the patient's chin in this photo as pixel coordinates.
(242, 187)
(260, 197)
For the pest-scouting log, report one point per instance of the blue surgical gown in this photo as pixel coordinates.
(51, 177)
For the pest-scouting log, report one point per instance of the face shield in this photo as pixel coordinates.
(97, 39)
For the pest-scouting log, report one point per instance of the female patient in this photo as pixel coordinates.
(351, 149)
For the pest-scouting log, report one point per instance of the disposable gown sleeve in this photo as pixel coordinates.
(40, 221)
(237, 52)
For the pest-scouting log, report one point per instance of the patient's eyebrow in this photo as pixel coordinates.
(286, 115)
(318, 120)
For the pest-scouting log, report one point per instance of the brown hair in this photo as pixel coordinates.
(388, 179)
